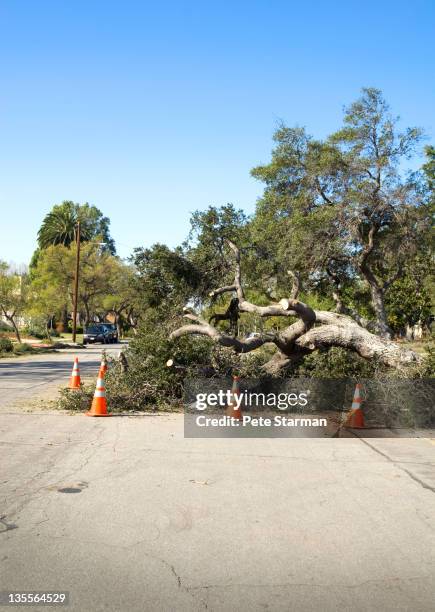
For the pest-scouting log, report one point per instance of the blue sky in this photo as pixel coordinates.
(152, 110)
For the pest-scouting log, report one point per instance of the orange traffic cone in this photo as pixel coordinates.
(355, 418)
(74, 381)
(99, 403)
(232, 409)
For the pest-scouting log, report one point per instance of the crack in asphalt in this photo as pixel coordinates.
(399, 464)
(357, 585)
(7, 526)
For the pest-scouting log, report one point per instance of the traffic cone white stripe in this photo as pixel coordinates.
(99, 403)
(355, 416)
(74, 381)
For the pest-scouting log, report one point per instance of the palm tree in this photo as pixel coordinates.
(59, 226)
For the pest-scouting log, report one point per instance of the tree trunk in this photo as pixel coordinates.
(11, 319)
(118, 326)
(14, 325)
(133, 322)
(377, 292)
(64, 319)
(87, 314)
(378, 303)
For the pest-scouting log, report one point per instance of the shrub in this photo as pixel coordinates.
(6, 345)
(79, 328)
(39, 331)
(23, 347)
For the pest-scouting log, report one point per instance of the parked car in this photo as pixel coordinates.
(97, 333)
(113, 331)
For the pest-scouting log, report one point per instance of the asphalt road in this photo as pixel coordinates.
(30, 376)
(127, 515)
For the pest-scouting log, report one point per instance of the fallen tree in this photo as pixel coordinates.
(312, 330)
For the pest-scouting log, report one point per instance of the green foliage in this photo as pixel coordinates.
(425, 369)
(428, 368)
(408, 301)
(4, 327)
(76, 400)
(52, 281)
(37, 328)
(164, 276)
(104, 282)
(6, 345)
(429, 168)
(335, 363)
(206, 248)
(148, 381)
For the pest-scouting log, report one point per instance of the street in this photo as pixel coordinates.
(126, 514)
(27, 377)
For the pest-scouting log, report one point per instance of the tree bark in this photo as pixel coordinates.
(377, 289)
(378, 303)
(360, 341)
(87, 314)
(64, 319)
(11, 319)
(117, 315)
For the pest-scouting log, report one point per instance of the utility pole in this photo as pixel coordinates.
(76, 284)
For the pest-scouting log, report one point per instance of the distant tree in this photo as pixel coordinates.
(45, 301)
(54, 276)
(121, 300)
(52, 283)
(13, 295)
(59, 228)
